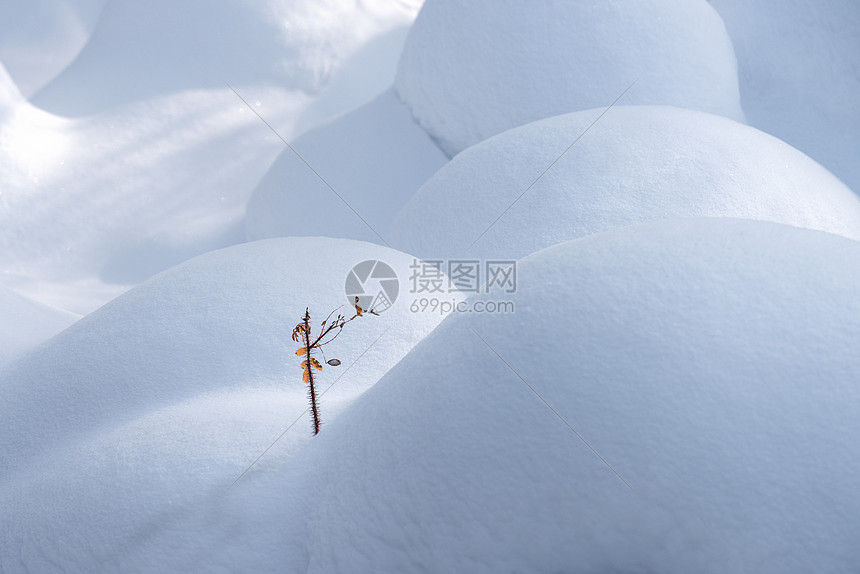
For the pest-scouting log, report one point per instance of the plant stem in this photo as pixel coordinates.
(312, 390)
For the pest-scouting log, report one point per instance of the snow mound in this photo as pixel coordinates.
(94, 205)
(26, 323)
(636, 164)
(219, 322)
(166, 47)
(798, 65)
(10, 97)
(374, 158)
(469, 71)
(39, 38)
(707, 370)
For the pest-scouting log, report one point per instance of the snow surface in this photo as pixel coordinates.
(39, 38)
(10, 97)
(221, 321)
(710, 363)
(799, 67)
(125, 422)
(94, 205)
(472, 70)
(636, 164)
(161, 47)
(25, 323)
(374, 158)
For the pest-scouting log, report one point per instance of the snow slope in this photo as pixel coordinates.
(374, 158)
(220, 322)
(471, 70)
(165, 47)
(10, 97)
(39, 38)
(710, 363)
(799, 67)
(636, 164)
(24, 323)
(94, 205)
(138, 415)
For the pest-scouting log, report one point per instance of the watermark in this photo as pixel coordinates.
(375, 284)
(444, 306)
(462, 276)
(435, 285)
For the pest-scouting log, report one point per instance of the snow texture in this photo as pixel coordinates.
(10, 97)
(671, 387)
(374, 158)
(469, 71)
(636, 164)
(708, 362)
(39, 38)
(163, 47)
(221, 321)
(145, 409)
(26, 323)
(799, 67)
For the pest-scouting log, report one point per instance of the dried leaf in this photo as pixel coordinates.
(333, 362)
(316, 364)
(301, 351)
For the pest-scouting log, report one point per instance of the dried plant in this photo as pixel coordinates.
(328, 332)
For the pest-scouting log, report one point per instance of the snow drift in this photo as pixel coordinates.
(798, 64)
(39, 38)
(166, 47)
(708, 373)
(636, 164)
(24, 323)
(471, 70)
(374, 158)
(220, 322)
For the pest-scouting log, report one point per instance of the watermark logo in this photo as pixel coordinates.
(375, 284)
(463, 276)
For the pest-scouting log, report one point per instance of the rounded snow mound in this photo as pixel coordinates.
(471, 70)
(675, 397)
(10, 97)
(374, 158)
(26, 323)
(165, 47)
(219, 322)
(41, 37)
(798, 65)
(636, 164)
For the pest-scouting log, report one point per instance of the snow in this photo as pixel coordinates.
(26, 323)
(471, 71)
(672, 386)
(148, 407)
(94, 205)
(374, 158)
(39, 38)
(636, 164)
(10, 97)
(221, 321)
(709, 362)
(798, 66)
(163, 47)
